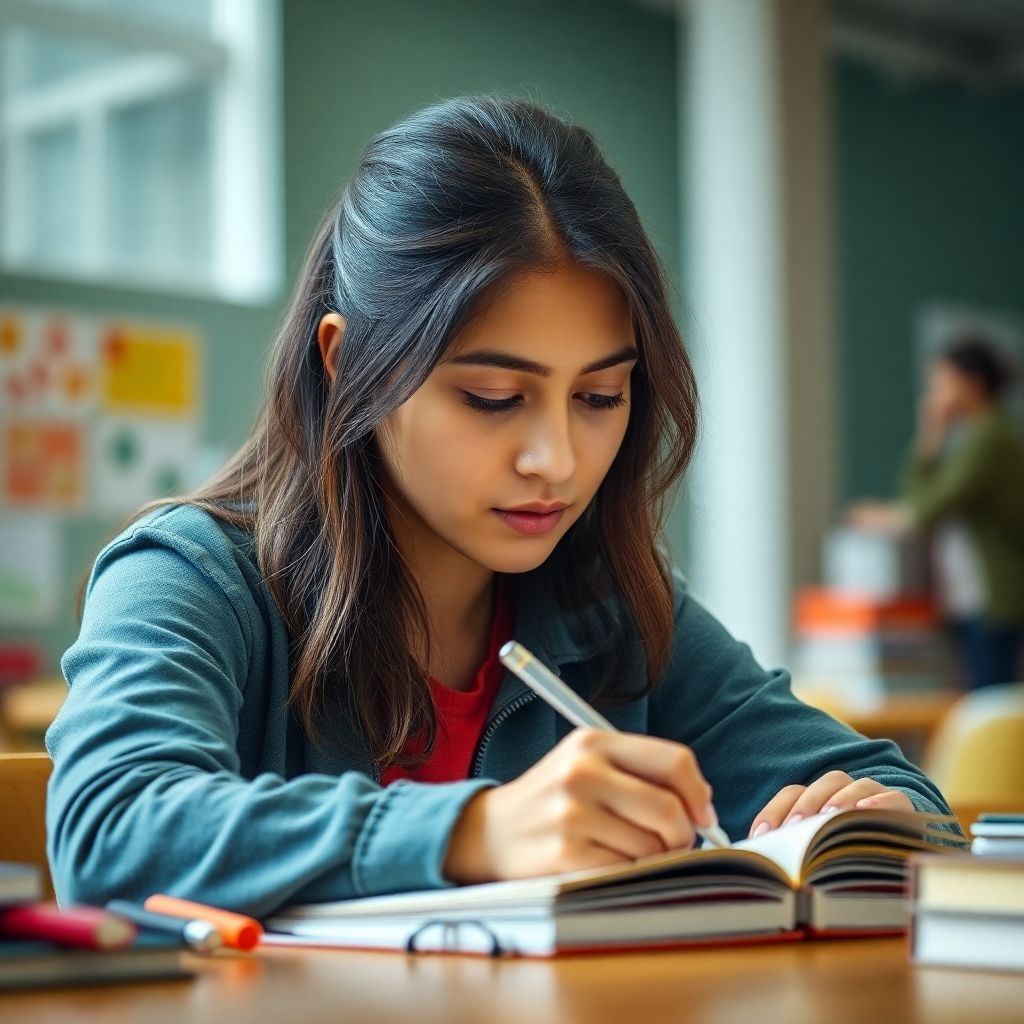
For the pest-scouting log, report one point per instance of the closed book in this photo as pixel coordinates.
(842, 873)
(19, 883)
(30, 964)
(998, 835)
(968, 912)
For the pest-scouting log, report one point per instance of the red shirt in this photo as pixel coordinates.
(462, 714)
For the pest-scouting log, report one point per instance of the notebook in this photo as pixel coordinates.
(838, 873)
(27, 964)
(968, 911)
(998, 835)
(19, 883)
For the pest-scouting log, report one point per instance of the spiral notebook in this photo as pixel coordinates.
(839, 873)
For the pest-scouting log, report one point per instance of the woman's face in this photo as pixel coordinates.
(528, 407)
(950, 391)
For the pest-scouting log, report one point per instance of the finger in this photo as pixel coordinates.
(653, 808)
(848, 796)
(663, 763)
(771, 815)
(586, 855)
(817, 794)
(890, 800)
(621, 835)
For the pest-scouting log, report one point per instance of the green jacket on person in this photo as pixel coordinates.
(981, 484)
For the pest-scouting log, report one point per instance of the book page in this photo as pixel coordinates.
(841, 835)
(787, 846)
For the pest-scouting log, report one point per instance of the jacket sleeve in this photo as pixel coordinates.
(752, 736)
(950, 485)
(146, 793)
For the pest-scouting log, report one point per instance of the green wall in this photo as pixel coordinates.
(350, 70)
(930, 206)
(355, 68)
(929, 197)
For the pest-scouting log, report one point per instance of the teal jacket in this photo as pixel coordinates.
(178, 769)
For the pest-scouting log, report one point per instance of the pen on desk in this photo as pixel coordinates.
(515, 657)
(202, 936)
(236, 930)
(78, 926)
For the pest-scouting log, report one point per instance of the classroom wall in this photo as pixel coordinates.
(351, 70)
(930, 205)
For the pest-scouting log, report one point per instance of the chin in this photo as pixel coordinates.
(513, 561)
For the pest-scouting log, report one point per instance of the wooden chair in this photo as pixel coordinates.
(23, 779)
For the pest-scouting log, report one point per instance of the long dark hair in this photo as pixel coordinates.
(446, 204)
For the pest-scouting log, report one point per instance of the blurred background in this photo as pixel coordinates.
(835, 189)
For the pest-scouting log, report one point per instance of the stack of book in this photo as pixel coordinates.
(43, 946)
(968, 912)
(998, 835)
(862, 649)
(870, 630)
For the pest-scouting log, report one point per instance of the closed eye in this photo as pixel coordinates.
(593, 401)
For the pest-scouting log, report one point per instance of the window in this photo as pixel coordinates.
(140, 143)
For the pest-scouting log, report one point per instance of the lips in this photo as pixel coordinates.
(537, 507)
(532, 520)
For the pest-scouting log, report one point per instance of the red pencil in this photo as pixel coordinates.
(83, 927)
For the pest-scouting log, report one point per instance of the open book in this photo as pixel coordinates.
(841, 872)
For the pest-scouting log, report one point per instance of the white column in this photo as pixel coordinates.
(761, 488)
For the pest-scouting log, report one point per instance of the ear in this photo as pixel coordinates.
(328, 337)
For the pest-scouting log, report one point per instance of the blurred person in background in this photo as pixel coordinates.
(964, 481)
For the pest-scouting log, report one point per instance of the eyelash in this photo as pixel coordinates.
(599, 403)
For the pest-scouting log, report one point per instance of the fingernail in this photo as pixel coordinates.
(793, 820)
(867, 801)
(710, 815)
(761, 829)
(829, 809)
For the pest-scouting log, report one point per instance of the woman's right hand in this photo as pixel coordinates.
(598, 798)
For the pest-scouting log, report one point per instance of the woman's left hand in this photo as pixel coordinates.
(833, 790)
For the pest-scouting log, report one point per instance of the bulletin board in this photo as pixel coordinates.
(98, 415)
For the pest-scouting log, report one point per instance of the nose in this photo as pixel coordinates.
(547, 451)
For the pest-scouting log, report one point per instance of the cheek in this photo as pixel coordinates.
(600, 447)
(439, 461)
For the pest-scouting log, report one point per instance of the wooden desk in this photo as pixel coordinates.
(901, 715)
(26, 712)
(911, 719)
(838, 981)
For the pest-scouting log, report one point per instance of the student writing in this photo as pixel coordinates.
(286, 685)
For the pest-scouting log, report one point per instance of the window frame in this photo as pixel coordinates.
(237, 59)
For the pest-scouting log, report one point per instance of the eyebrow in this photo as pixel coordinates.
(507, 361)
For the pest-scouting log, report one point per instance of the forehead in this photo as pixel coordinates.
(541, 313)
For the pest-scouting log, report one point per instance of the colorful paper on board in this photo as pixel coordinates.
(30, 562)
(43, 463)
(135, 460)
(47, 363)
(148, 370)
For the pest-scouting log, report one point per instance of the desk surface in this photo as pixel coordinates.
(836, 981)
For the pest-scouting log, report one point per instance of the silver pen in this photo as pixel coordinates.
(515, 657)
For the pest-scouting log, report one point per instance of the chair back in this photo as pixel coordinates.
(976, 756)
(23, 779)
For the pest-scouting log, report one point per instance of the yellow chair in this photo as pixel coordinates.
(977, 755)
(23, 779)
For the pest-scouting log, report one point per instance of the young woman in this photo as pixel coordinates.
(286, 686)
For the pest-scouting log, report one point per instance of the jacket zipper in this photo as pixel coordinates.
(504, 713)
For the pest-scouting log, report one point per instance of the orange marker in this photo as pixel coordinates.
(236, 930)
